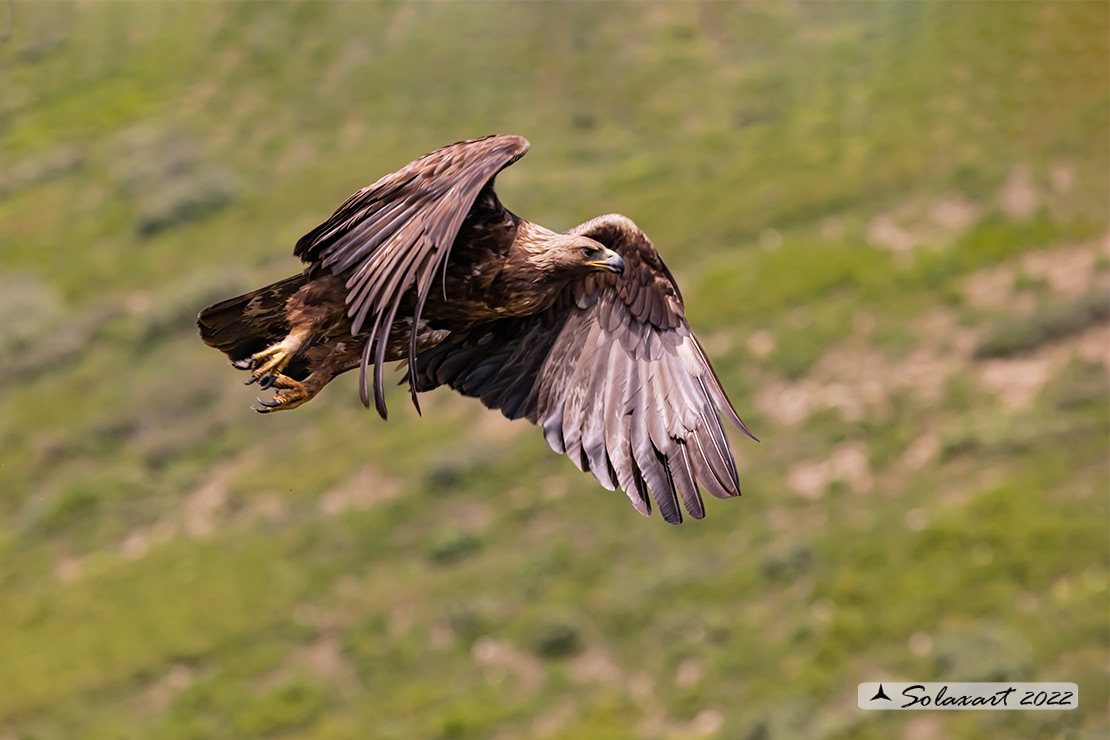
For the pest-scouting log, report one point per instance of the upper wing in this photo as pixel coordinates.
(614, 376)
(399, 232)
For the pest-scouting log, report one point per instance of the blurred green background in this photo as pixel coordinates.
(890, 224)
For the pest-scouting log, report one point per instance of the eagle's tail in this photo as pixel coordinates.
(241, 326)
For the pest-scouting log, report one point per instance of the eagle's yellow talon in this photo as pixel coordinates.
(271, 361)
(291, 394)
(267, 365)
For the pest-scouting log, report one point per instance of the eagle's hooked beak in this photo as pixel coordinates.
(607, 259)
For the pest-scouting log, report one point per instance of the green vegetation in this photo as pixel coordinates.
(1012, 335)
(889, 222)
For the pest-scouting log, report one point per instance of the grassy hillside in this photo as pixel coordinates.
(890, 224)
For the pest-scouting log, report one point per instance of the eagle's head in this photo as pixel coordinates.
(582, 254)
(571, 256)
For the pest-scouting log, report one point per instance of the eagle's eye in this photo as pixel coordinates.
(587, 252)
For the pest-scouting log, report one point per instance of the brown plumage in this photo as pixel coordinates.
(582, 333)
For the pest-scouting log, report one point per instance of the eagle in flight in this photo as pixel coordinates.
(583, 333)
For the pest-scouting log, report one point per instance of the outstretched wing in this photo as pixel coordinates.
(399, 232)
(613, 375)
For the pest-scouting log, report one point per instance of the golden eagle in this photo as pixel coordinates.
(582, 333)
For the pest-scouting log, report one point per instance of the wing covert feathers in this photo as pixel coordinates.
(613, 376)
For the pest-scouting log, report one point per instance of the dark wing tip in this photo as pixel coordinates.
(744, 428)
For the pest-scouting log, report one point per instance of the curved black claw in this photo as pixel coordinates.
(268, 404)
(250, 380)
(266, 382)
